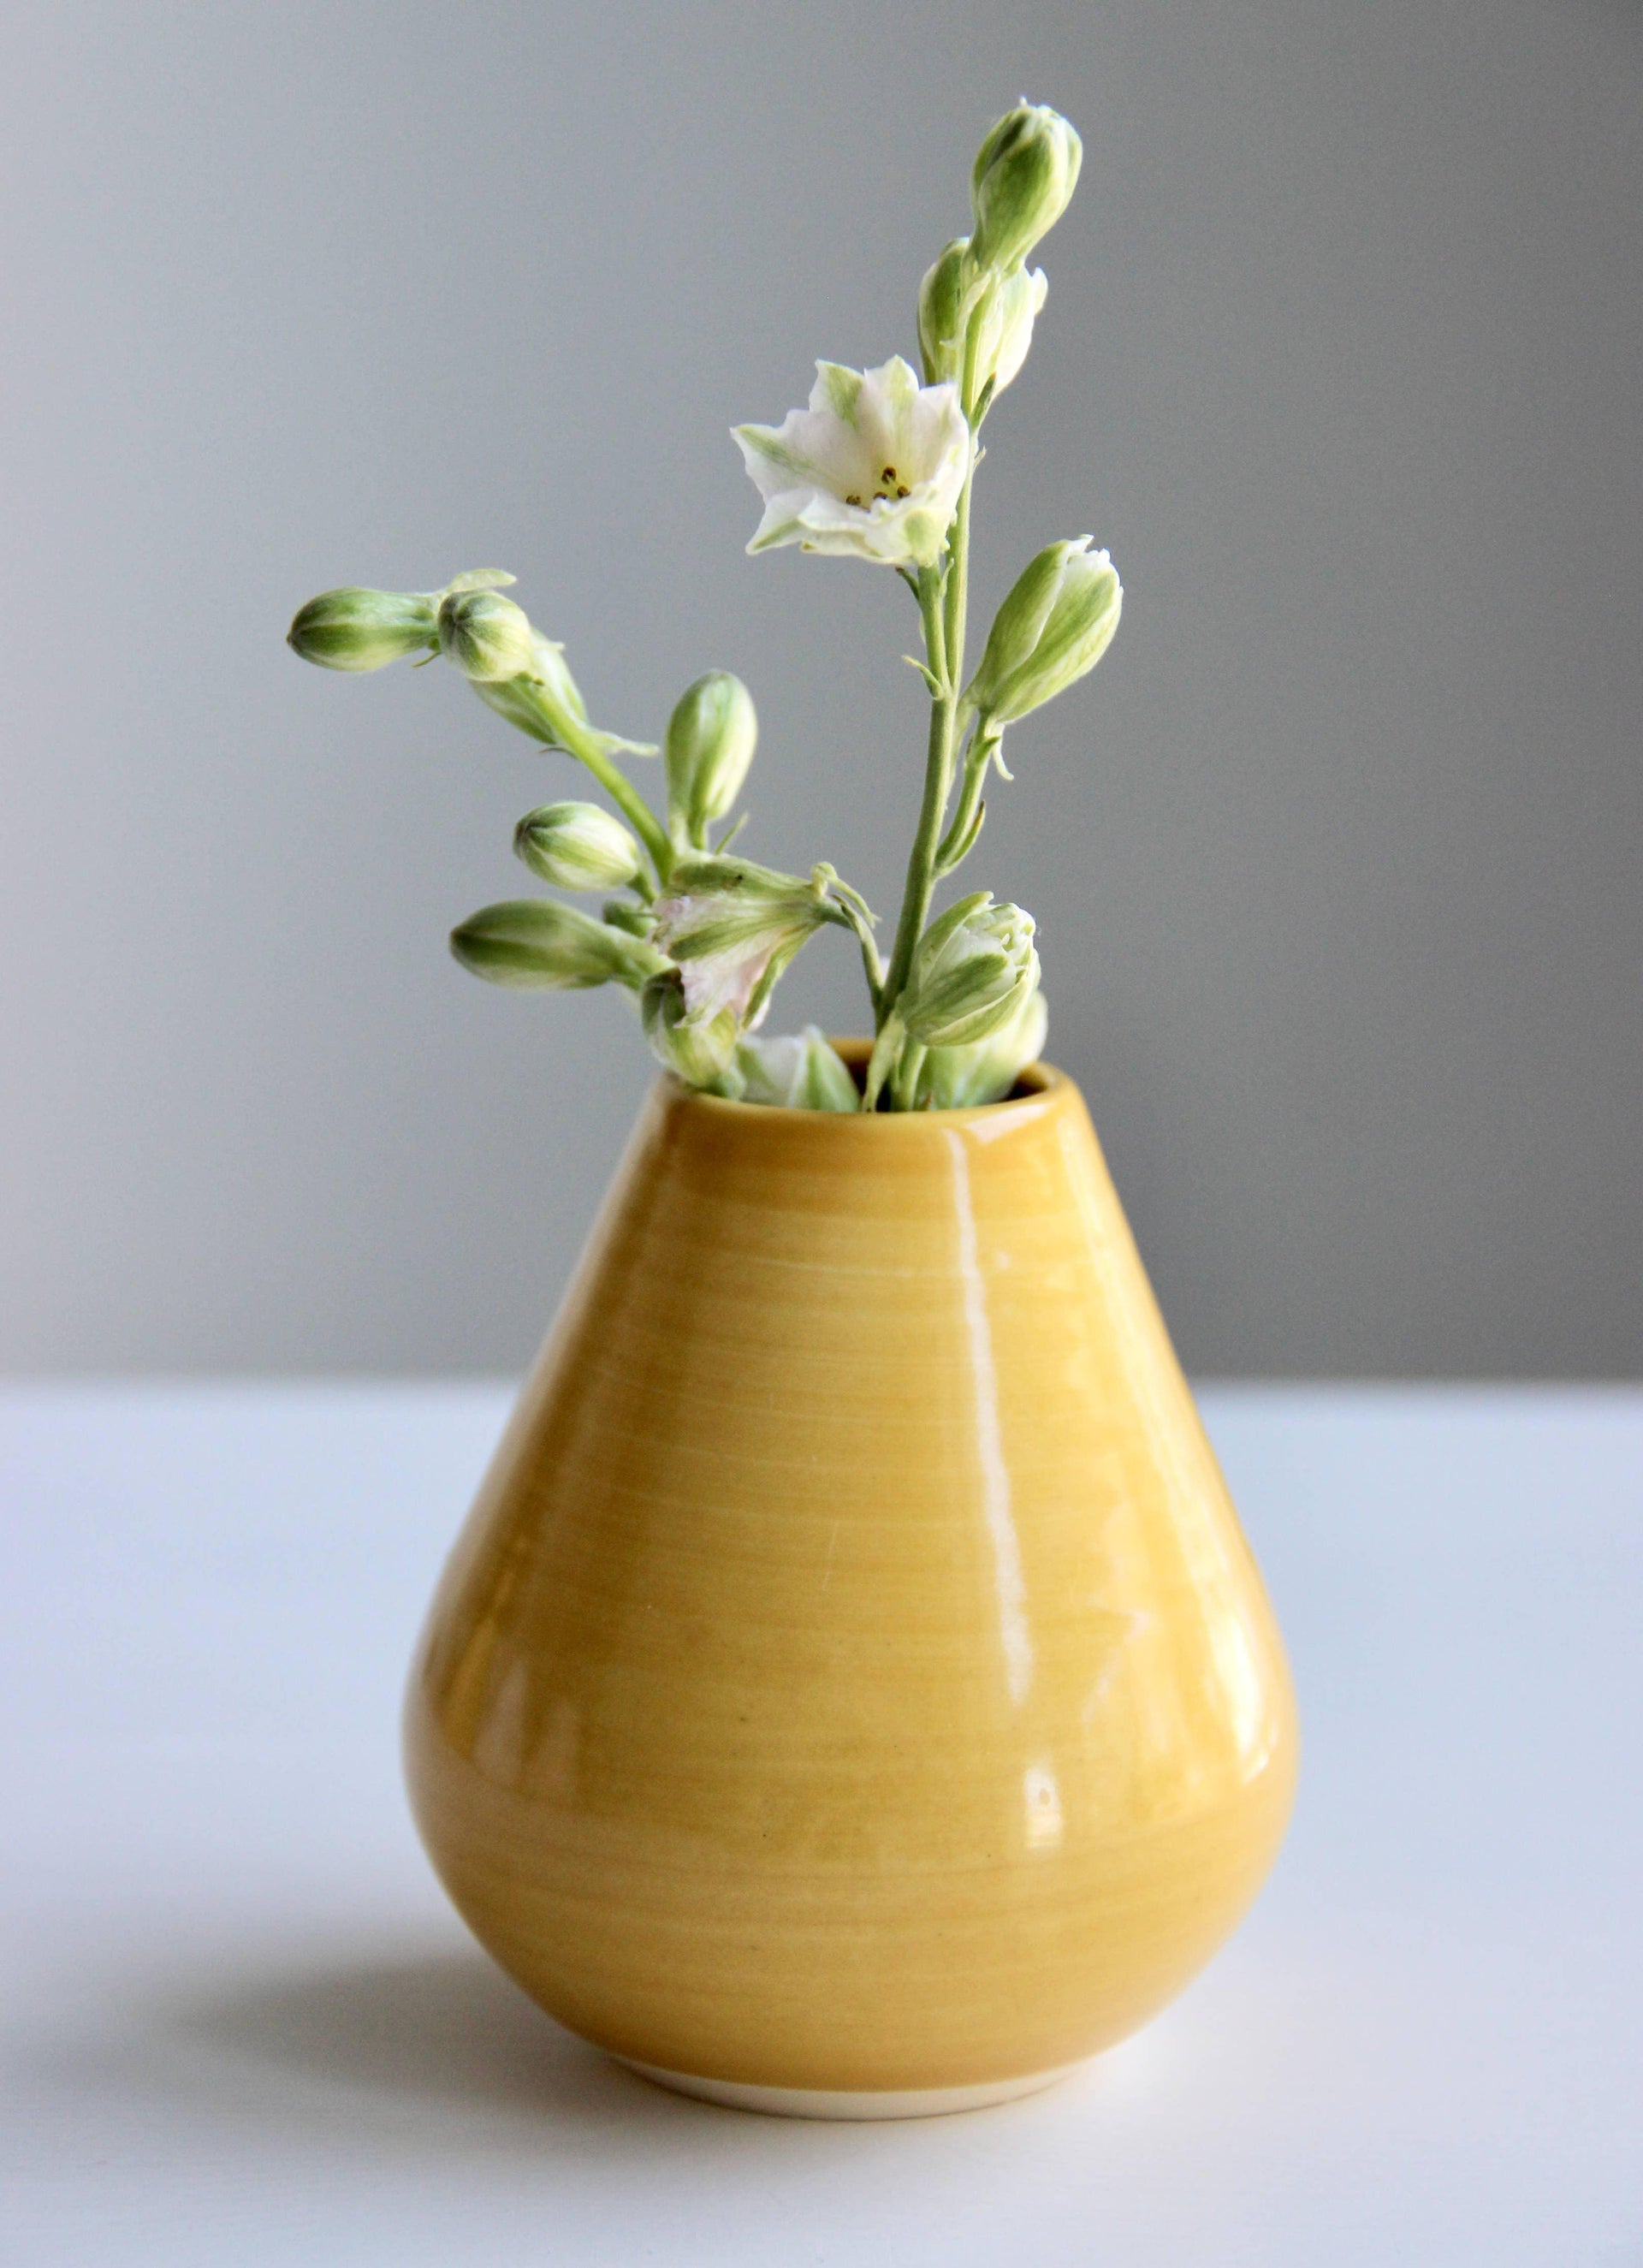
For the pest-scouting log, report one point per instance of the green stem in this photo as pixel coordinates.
(921, 875)
(891, 1037)
(872, 959)
(958, 583)
(585, 748)
(957, 572)
(943, 601)
(953, 847)
(904, 1079)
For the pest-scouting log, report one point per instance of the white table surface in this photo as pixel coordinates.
(240, 2026)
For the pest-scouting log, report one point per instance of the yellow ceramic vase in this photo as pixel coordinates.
(853, 1693)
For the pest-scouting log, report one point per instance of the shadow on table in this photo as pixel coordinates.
(432, 2052)
(409, 2054)
(444, 2028)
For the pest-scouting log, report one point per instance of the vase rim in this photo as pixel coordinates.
(1039, 1082)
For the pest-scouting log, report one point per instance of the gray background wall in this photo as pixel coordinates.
(1336, 860)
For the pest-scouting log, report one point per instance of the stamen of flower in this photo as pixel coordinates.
(889, 474)
(856, 500)
(903, 491)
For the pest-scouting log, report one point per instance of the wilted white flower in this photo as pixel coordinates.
(733, 927)
(871, 470)
(699, 1050)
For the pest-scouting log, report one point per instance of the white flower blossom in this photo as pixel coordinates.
(871, 470)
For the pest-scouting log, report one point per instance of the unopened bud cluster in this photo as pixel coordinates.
(978, 301)
(975, 966)
(963, 313)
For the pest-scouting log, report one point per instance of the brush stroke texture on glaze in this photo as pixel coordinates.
(852, 1674)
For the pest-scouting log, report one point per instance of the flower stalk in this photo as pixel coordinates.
(943, 605)
(921, 876)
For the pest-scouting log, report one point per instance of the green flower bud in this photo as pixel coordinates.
(699, 1050)
(576, 846)
(1025, 175)
(1020, 622)
(806, 1074)
(488, 636)
(941, 312)
(960, 1078)
(352, 629)
(1008, 314)
(534, 944)
(710, 738)
(733, 927)
(1004, 312)
(1052, 630)
(970, 972)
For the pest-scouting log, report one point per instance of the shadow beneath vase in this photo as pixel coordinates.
(410, 2058)
(414, 2058)
(444, 2028)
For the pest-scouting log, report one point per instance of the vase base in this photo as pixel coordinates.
(836, 2102)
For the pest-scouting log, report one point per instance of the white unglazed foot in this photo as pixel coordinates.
(866, 2103)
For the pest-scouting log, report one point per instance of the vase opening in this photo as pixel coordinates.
(1037, 1078)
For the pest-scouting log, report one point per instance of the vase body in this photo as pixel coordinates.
(852, 1688)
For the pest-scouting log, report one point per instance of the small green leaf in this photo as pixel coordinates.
(480, 578)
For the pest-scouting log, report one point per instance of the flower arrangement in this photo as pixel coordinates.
(878, 467)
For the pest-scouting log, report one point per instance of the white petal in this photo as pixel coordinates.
(835, 392)
(1022, 297)
(724, 979)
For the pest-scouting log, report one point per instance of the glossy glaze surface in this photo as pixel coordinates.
(852, 1675)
